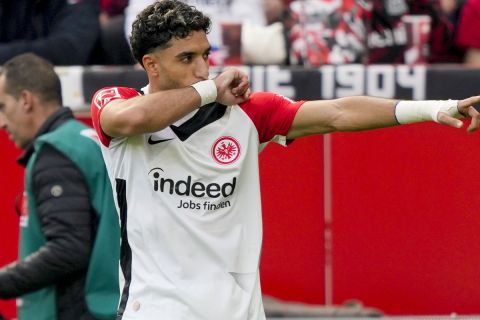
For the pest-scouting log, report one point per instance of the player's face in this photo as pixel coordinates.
(184, 63)
(14, 117)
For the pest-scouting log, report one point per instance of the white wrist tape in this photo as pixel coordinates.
(207, 91)
(417, 111)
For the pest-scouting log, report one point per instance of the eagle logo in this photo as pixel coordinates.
(226, 150)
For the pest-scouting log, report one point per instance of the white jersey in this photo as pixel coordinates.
(189, 203)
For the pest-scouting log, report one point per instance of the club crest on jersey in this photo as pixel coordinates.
(226, 150)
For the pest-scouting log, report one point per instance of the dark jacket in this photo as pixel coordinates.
(69, 225)
(61, 31)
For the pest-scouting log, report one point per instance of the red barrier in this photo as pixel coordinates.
(406, 223)
(11, 180)
(292, 264)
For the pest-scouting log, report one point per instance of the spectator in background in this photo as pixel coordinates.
(372, 31)
(467, 35)
(112, 47)
(61, 31)
(267, 44)
(327, 31)
(220, 11)
(69, 233)
(240, 11)
(112, 8)
(274, 10)
(388, 37)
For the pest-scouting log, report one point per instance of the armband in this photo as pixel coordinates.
(417, 111)
(207, 91)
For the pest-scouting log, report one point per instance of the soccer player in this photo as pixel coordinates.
(183, 160)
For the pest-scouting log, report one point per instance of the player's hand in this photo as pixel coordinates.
(466, 109)
(233, 87)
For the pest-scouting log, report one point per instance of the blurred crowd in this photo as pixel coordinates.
(284, 32)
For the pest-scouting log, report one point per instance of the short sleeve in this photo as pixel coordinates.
(272, 114)
(101, 99)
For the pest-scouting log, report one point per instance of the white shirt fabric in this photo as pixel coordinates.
(190, 209)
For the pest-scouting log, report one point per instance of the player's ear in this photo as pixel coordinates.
(150, 64)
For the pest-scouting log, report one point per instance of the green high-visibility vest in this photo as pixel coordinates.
(77, 142)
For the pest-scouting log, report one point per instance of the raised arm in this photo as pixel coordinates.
(365, 113)
(153, 112)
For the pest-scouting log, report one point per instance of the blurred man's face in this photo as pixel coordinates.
(184, 63)
(14, 117)
(273, 10)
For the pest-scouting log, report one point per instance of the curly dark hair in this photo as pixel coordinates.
(161, 21)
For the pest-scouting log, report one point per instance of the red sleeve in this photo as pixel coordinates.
(100, 99)
(468, 35)
(272, 114)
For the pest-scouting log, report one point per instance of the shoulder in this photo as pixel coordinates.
(68, 135)
(103, 96)
(50, 157)
(265, 100)
(260, 102)
(272, 114)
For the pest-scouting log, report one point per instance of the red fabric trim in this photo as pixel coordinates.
(101, 99)
(272, 114)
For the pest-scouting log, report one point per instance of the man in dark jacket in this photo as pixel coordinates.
(61, 31)
(69, 238)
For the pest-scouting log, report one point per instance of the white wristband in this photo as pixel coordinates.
(417, 111)
(207, 91)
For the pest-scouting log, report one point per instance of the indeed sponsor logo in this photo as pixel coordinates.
(185, 187)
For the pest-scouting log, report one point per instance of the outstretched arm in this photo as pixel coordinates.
(365, 113)
(153, 112)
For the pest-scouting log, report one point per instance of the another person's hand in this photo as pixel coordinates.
(233, 87)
